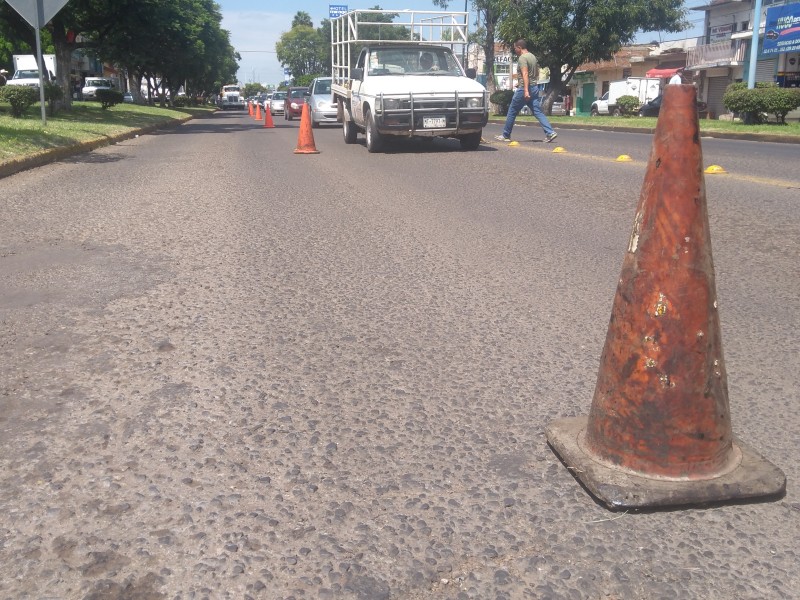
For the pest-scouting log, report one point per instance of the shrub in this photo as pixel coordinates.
(501, 98)
(180, 101)
(19, 97)
(756, 103)
(627, 105)
(780, 101)
(109, 97)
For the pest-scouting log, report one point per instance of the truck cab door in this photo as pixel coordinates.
(357, 104)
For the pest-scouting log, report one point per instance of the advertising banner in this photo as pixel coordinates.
(782, 29)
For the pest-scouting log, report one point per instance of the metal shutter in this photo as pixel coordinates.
(766, 69)
(716, 89)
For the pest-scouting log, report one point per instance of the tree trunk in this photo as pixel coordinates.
(63, 50)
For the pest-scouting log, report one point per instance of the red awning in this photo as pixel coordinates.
(662, 72)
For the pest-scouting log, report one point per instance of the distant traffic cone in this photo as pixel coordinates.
(258, 112)
(250, 108)
(305, 139)
(268, 117)
(659, 430)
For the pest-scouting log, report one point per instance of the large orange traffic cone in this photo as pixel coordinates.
(258, 112)
(659, 430)
(305, 139)
(268, 117)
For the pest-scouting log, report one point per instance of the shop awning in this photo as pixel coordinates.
(662, 72)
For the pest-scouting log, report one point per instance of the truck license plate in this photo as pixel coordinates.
(434, 122)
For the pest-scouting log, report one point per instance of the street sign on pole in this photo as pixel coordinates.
(38, 14)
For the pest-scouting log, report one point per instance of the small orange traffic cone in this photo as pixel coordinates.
(268, 117)
(305, 139)
(250, 108)
(659, 430)
(258, 112)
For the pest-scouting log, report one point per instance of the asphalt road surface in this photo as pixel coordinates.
(231, 371)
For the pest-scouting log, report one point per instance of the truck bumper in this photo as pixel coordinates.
(445, 125)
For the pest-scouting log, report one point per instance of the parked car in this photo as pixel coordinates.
(652, 108)
(276, 105)
(295, 98)
(323, 110)
(127, 97)
(92, 84)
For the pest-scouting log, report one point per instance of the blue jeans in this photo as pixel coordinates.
(517, 102)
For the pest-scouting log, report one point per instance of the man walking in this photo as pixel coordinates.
(527, 93)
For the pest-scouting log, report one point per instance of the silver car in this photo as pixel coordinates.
(276, 105)
(558, 108)
(323, 110)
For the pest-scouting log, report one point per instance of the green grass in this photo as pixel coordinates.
(706, 125)
(86, 122)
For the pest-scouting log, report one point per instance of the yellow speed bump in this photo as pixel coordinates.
(624, 158)
(715, 170)
(559, 149)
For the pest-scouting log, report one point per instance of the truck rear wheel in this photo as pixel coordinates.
(349, 131)
(617, 112)
(374, 137)
(471, 141)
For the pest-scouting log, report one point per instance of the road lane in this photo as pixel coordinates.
(231, 370)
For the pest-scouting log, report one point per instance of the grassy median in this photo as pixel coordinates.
(85, 122)
(706, 125)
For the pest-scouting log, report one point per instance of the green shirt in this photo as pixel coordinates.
(527, 59)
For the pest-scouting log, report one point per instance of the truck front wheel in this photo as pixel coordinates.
(471, 141)
(374, 137)
(349, 131)
(594, 112)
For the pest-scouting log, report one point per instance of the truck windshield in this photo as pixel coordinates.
(413, 60)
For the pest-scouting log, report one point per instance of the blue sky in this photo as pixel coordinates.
(256, 25)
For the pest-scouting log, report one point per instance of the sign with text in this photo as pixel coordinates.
(782, 29)
(721, 33)
(336, 10)
(29, 10)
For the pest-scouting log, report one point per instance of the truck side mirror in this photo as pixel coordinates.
(472, 73)
(357, 73)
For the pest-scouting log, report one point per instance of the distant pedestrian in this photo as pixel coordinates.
(3, 77)
(526, 94)
(677, 79)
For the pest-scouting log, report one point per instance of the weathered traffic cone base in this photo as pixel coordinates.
(751, 477)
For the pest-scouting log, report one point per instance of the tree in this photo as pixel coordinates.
(302, 19)
(563, 34)
(489, 12)
(174, 42)
(303, 49)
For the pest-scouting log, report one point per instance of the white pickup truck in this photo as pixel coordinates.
(643, 88)
(399, 86)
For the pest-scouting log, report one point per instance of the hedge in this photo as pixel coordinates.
(766, 98)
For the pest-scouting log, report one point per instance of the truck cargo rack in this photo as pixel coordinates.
(358, 28)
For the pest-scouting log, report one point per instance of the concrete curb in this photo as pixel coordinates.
(53, 154)
(723, 135)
